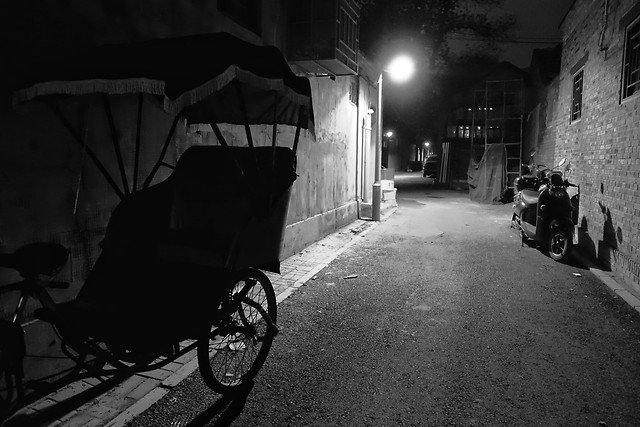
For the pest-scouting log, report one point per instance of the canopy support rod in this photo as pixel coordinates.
(162, 153)
(296, 139)
(219, 135)
(116, 142)
(245, 119)
(274, 135)
(85, 147)
(243, 109)
(136, 162)
(223, 142)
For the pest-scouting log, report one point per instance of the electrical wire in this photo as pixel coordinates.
(515, 40)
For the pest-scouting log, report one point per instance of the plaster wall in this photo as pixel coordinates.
(604, 145)
(324, 195)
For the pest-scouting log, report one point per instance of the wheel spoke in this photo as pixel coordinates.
(235, 355)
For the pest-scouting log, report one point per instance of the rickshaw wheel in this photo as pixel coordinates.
(233, 353)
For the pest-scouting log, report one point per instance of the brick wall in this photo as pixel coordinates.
(604, 145)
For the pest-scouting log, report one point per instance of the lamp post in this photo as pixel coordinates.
(400, 70)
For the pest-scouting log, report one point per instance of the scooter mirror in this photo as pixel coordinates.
(562, 162)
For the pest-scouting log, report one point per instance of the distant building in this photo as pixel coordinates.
(490, 111)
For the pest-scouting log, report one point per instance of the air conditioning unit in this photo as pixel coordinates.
(323, 36)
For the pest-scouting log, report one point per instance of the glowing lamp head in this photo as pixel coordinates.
(401, 69)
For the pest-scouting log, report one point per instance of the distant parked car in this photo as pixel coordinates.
(430, 167)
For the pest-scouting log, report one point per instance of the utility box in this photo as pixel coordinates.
(324, 36)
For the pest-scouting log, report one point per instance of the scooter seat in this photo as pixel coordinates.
(529, 197)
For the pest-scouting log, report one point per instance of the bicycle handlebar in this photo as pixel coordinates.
(23, 284)
(57, 285)
(36, 258)
(11, 287)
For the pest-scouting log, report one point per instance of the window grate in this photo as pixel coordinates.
(631, 68)
(576, 98)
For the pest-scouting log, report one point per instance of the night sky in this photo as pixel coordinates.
(537, 19)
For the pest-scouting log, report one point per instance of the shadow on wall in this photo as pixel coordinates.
(606, 247)
(610, 238)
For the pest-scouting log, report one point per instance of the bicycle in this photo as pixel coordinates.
(229, 355)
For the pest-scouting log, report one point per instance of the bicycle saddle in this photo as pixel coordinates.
(36, 258)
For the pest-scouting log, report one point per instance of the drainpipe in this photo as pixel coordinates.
(604, 26)
(377, 185)
(357, 146)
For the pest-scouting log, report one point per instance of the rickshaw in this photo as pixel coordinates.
(181, 263)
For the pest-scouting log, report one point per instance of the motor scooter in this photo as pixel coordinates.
(533, 179)
(545, 214)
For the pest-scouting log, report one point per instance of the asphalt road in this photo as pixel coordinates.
(448, 322)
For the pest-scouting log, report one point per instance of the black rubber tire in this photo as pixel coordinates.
(560, 244)
(232, 354)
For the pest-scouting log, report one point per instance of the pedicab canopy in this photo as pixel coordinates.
(193, 75)
(219, 199)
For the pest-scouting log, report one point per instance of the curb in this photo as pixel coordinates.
(607, 278)
(291, 289)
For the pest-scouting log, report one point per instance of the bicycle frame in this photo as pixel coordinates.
(92, 360)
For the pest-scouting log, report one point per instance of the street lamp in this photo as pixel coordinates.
(400, 70)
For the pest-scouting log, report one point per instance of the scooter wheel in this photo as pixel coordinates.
(560, 245)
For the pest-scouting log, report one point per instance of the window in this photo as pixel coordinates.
(494, 132)
(353, 91)
(576, 98)
(631, 67)
(348, 29)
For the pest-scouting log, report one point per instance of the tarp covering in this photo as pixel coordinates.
(487, 178)
(185, 72)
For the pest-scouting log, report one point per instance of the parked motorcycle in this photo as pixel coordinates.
(543, 210)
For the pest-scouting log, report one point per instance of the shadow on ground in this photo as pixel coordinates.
(223, 411)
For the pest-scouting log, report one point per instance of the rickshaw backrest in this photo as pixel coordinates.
(216, 172)
(225, 196)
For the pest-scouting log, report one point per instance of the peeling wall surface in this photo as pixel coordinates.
(323, 197)
(603, 145)
(541, 128)
(51, 191)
